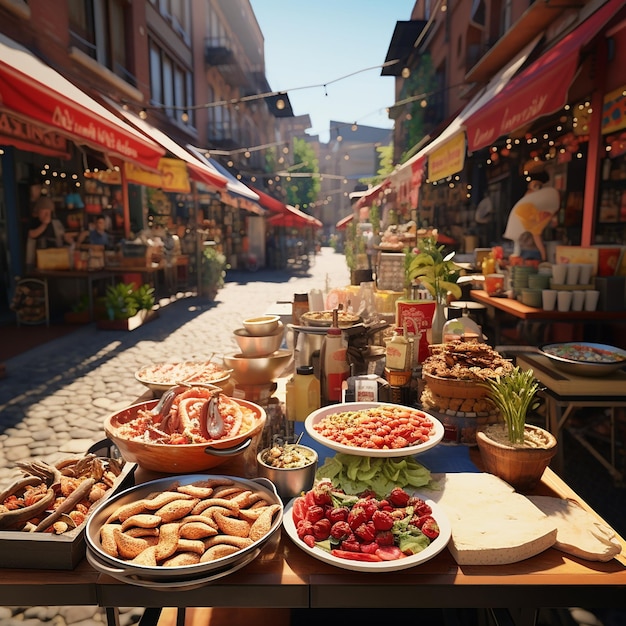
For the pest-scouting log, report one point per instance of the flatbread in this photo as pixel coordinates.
(578, 532)
(491, 523)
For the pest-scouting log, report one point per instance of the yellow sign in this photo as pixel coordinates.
(447, 160)
(171, 176)
(614, 111)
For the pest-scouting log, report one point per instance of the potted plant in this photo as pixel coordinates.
(426, 264)
(514, 450)
(79, 313)
(213, 270)
(127, 306)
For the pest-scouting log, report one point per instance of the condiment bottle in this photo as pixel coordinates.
(306, 391)
(290, 399)
(299, 306)
(397, 351)
(334, 364)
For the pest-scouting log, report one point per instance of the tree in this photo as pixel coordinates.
(303, 190)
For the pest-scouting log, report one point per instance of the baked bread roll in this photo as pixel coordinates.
(578, 532)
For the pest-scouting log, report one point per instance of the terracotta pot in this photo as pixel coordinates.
(521, 467)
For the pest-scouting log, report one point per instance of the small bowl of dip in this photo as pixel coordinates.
(291, 467)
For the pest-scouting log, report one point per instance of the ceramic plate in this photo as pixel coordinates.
(435, 437)
(445, 532)
(582, 358)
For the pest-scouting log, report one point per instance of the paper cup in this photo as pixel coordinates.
(564, 301)
(573, 272)
(578, 300)
(591, 299)
(548, 299)
(585, 274)
(559, 272)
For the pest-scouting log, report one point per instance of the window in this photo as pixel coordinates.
(99, 28)
(178, 14)
(171, 85)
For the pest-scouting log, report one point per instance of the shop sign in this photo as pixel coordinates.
(447, 160)
(614, 111)
(15, 131)
(170, 176)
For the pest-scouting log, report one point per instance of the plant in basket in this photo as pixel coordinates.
(514, 450)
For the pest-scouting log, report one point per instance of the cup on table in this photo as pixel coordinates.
(564, 301)
(578, 300)
(591, 299)
(573, 273)
(559, 273)
(548, 299)
(494, 284)
(585, 274)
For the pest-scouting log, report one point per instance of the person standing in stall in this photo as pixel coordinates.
(45, 231)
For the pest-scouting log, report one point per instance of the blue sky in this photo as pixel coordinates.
(316, 42)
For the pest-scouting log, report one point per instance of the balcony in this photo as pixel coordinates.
(222, 53)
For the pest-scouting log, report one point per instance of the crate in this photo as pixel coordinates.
(24, 550)
(53, 259)
(140, 255)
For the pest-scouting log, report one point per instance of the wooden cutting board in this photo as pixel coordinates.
(491, 523)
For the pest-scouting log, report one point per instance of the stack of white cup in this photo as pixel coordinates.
(571, 275)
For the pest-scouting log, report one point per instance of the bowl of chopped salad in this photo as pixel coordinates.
(582, 358)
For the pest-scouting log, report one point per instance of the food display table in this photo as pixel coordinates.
(565, 393)
(508, 307)
(285, 576)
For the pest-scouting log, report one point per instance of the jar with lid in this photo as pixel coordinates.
(463, 328)
(306, 391)
(299, 306)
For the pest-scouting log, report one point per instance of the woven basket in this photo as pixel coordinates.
(454, 388)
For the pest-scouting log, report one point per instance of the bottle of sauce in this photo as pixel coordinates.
(335, 368)
(306, 391)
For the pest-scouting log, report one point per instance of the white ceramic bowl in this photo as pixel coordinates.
(257, 345)
(261, 325)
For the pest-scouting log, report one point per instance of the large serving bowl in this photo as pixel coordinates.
(262, 325)
(455, 387)
(259, 345)
(180, 458)
(183, 576)
(160, 377)
(257, 370)
(582, 358)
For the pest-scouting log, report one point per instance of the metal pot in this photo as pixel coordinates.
(146, 575)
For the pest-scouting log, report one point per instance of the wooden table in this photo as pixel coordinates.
(565, 393)
(89, 277)
(283, 576)
(508, 307)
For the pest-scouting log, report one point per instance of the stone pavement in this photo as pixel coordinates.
(55, 397)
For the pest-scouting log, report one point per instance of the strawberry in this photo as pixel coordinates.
(430, 528)
(398, 497)
(385, 538)
(321, 529)
(382, 520)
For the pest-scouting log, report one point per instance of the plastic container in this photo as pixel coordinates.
(306, 391)
(398, 351)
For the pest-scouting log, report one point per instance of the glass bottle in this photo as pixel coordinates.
(335, 368)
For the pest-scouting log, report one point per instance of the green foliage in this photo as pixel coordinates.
(513, 395)
(214, 267)
(427, 264)
(374, 218)
(123, 300)
(303, 191)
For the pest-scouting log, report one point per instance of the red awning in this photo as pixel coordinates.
(269, 202)
(371, 195)
(34, 91)
(541, 88)
(344, 221)
(198, 171)
(294, 218)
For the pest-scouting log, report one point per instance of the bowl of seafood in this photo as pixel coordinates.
(189, 429)
(258, 370)
(290, 466)
(161, 376)
(178, 532)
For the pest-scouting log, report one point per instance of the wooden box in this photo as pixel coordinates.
(53, 259)
(47, 551)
